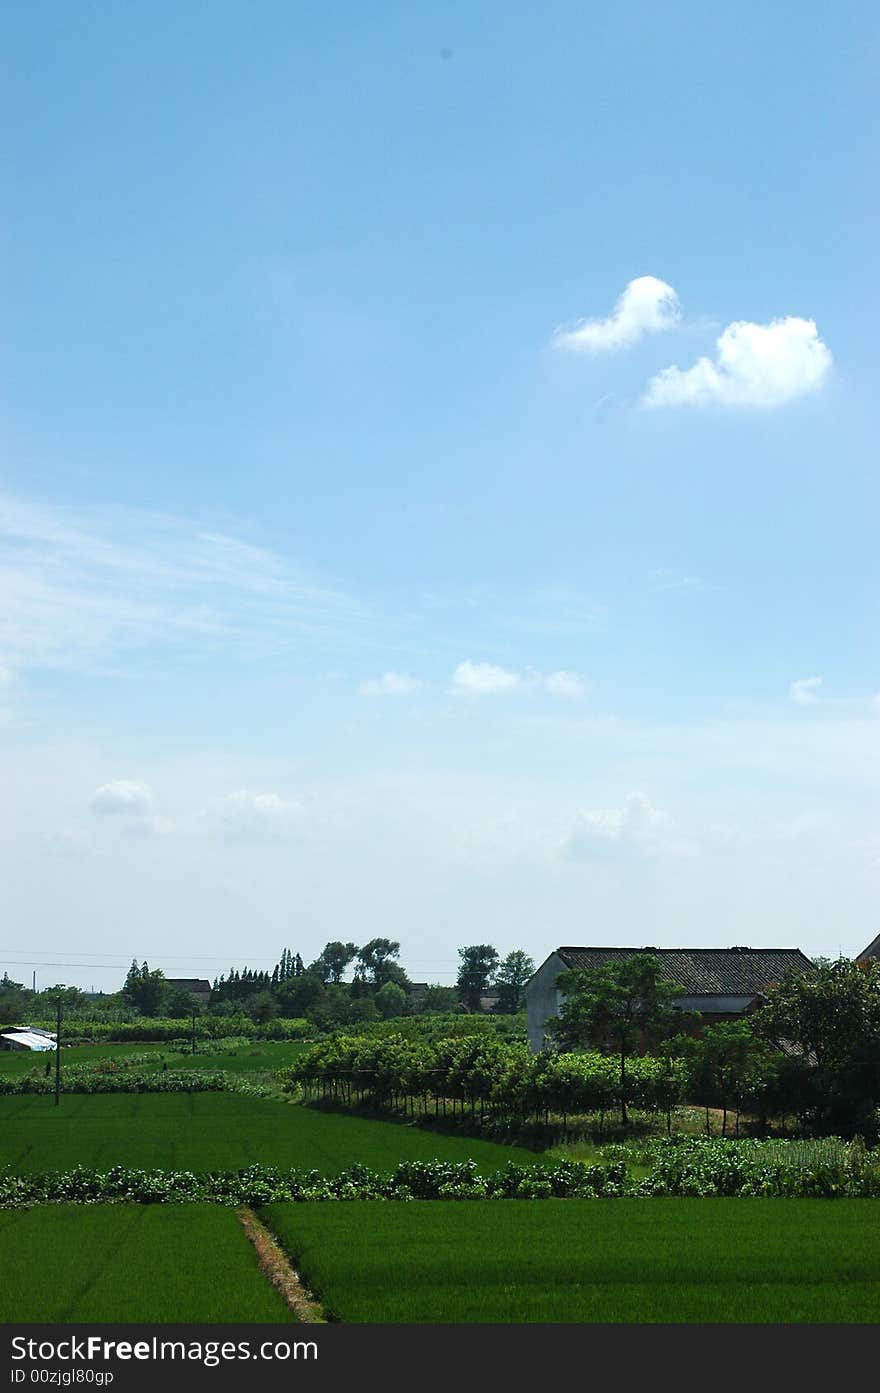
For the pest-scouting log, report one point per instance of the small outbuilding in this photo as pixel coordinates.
(26, 1037)
(720, 984)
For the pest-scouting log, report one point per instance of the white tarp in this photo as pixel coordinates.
(28, 1040)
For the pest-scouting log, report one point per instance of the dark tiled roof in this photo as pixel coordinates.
(189, 984)
(872, 951)
(705, 971)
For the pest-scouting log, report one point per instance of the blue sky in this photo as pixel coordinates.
(350, 536)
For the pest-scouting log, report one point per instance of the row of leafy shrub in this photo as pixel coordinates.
(691, 1167)
(446, 1025)
(87, 1079)
(161, 1029)
(479, 1072)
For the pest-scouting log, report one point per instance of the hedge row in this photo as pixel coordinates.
(686, 1167)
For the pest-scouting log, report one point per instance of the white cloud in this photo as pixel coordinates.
(565, 684)
(122, 797)
(805, 690)
(391, 684)
(482, 678)
(646, 306)
(637, 826)
(249, 816)
(760, 365)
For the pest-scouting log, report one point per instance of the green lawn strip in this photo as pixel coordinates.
(216, 1131)
(132, 1263)
(679, 1260)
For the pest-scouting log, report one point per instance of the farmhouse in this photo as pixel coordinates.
(199, 987)
(721, 984)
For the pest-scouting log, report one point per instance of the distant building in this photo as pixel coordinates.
(26, 1037)
(871, 953)
(721, 984)
(199, 987)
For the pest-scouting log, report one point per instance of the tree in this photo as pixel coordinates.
(333, 960)
(301, 995)
(390, 1000)
(437, 1000)
(375, 960)
(15, 1000)
(475, 972)
(616, 1008)
(178, 1003)
(144, 989)
(262, 1007)
(832, 1018)
(510, 979)
(727, 1065)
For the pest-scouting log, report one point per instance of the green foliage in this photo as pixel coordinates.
(390, 1000)
(728, 1066)
(478, 1069)
(333, 959)
(376, 960)
(616, 1007)
(143, 989)
(476, 971)
(435, 1000)
(832, 1018)
(510, 979)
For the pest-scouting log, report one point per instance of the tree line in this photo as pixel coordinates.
(379, 989)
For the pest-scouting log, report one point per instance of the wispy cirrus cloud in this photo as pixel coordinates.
(756, 365)
(805, 691)
(647, 306)
(81, 586)
(250, 816)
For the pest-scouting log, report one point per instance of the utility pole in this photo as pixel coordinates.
(58, 1050)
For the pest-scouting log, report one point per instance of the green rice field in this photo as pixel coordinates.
(250, 1057)
(131, 1263)
(676, 1260)
(215, 1131)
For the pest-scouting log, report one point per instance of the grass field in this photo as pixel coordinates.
(215, 1131)
(251, 1057)
(647, 1260)
(131, 1263)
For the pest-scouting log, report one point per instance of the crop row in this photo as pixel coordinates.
(680, 1167)
(94, 1079)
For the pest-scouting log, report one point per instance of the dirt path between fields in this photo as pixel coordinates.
(275, 1265)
